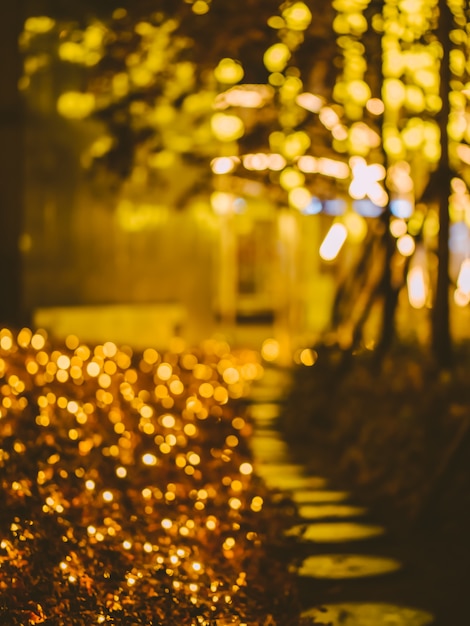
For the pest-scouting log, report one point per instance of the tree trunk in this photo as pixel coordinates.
(11, 159)
(441, 339)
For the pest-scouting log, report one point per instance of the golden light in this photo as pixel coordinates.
(224, 165)
(310, 102)
(333, 168)
(229, 71)
(356, 226)
(256, 162)
(227, 127)
(235, 503)
(149, 459)
(295, 144)
(297, 16)
(276, 162)
(291, 178)
(300, 198)
(245, 96)
(333, 242)
(164, 371)
(398, 227)
(222, 203)
(417, 287)
(276, 57)
(200, 7)
(406, 245)
(461, 298)
(394, 93)
(308, 357)
(359, 91)
(270, 349)
(375, 106)
(76, 105)
(246, 469)
(328, 117)
(121, 472)
(39, 25)
(168, 420)
(108, 496)
(308, 164)
(93, 369)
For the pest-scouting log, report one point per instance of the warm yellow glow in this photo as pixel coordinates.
(296, 144)
(394, 93)
(310, 102)
(227, 127)
(168, 420)
(375, 106)
(291, 178)
(331, 532)
(333, 168)
(200, 7)
(356, 226)
(39, 25)
(222, 203)
(461, 298)
(93, 369)
(328, 117)
(308, 164)
(270, 349)
(229, 71)
(417, 288)
(299, 198)
(308, 357)
(164, 371)
(297, 16)
(256, 162)
(406, 245)
(398, 227)
(149, 459)
(107, 496)
(359, 91)
(276, 57)
(246, 96)
(76, 105)
(333, 241)
(223, 165)
(246, 469)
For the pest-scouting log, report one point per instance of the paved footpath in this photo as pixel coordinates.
(344, 558)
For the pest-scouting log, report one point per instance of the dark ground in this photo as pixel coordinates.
(398, 436)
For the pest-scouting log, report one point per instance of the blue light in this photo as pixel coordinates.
(367, 208)
(313, 207)
(401, 207)
(334, 207)
(239, 205)
(459, 238)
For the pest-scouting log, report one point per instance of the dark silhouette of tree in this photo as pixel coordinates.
(441, 338)
(11, 153)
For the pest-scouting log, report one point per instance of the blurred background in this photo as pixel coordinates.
(254, 168)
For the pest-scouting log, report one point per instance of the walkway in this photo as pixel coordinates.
(344, 558)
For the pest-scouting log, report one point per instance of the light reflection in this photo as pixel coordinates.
(368, 613)
(345, 566)
(336, 532)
